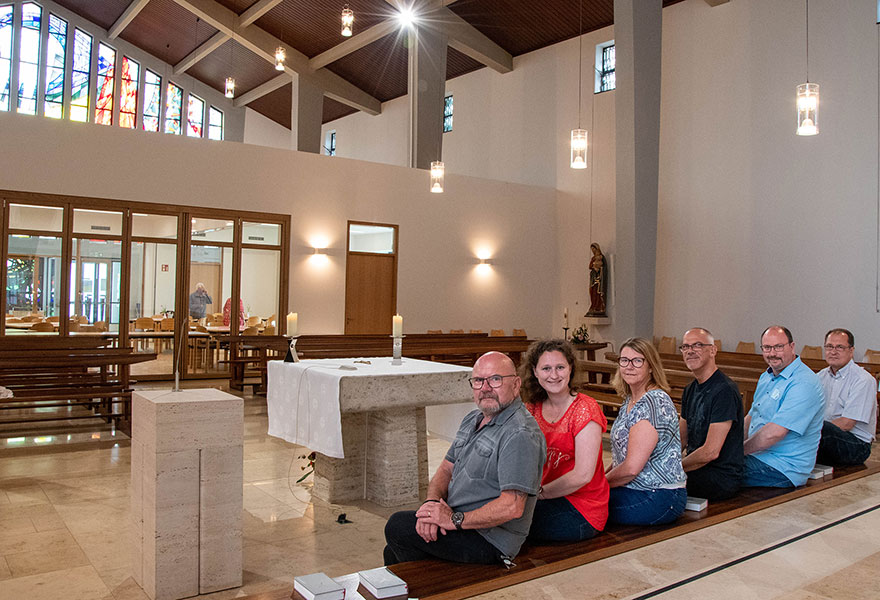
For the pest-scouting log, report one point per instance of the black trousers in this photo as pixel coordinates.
(404, 544)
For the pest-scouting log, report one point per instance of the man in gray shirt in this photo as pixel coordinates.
(481, 499)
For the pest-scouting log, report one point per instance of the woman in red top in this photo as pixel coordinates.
(573, 500)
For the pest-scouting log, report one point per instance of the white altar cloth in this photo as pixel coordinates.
(305, 401)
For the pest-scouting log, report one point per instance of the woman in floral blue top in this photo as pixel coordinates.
(646, 477)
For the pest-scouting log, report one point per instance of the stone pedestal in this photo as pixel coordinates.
(386, 459)
(186, 492)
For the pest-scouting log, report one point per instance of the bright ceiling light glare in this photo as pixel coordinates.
(407, 17)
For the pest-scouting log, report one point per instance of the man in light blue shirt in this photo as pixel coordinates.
(850, 404)
(784, 425)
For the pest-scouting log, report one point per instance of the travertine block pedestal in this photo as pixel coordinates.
(186, 492)
(386, 459)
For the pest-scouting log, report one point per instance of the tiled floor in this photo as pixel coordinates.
(64, 515)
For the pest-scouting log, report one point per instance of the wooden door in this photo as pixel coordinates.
(370, 292)
(370, 277)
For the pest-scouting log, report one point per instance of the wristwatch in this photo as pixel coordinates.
(457, 519)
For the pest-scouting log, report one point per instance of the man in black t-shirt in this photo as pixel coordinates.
(711, 422)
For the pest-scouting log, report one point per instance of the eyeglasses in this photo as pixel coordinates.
(776, 347)
(495, 381)
(838, 347)
(636, 362)
(698, 346)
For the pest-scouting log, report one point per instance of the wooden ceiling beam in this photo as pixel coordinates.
(263, 44)
(126, 17)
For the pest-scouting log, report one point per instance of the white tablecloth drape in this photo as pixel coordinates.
(303, 398)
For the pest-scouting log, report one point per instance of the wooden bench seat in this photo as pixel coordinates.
(436, 580)
(81, 374)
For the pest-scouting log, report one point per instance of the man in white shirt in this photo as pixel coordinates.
(850, 404)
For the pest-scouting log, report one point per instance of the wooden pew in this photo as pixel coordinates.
(248, 355)
(56, 372)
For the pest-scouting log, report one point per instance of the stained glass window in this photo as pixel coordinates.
(79, 80)
(152, 100)
(55, 56)
(195, 118)
(447, 113)
(29, 58)
(128, 103)
(5, 55)
(106, 81)
(215, 124)
(173, 109)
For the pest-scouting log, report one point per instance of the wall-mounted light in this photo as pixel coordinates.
(347, 21)
(438, 170)
(280, 57)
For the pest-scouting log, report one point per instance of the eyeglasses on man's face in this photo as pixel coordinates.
(774, 347)
(495, 381)
(836, 347)
(636, 362)
(698, 346)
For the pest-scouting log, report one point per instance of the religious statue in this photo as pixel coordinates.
(598, 283)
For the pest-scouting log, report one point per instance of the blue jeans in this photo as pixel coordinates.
(646, 507)
(556, 520)
(404, 544)
(839, 447)
(757, 473)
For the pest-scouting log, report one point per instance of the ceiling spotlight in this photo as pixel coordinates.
(407, 17)
(347, 21)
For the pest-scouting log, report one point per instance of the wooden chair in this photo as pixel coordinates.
(476, 331)
(144, 324)
(718, 345)
(435, 331)
(31, 319)
(83, 320)
(54, 319)
(100, 326)
(251, 331)
(811, 352)
(254, 321)
(43, 326)
(166, 324)
(73, 324)
(456, 331)
(667, 345)
(269, 330)
(519, 332)
(496, 332)
(872, 356)
(745, 347)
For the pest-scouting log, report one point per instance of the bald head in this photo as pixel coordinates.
(487, 371)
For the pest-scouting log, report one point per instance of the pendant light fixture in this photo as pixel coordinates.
(280, 56)
(579, 140)
(347, 21)
(230, 81)
(808, 96)
(438, 170)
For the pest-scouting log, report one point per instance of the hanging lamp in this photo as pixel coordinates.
(808, 96)
(280, 57)
(579, 138)
(438, 170)
(347, 21)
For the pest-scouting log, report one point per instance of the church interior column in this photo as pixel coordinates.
(306, 113)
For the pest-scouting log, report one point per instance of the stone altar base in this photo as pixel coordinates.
(386, 459)
(186, 492)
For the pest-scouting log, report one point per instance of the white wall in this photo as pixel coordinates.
(438, 286)
(263, 131)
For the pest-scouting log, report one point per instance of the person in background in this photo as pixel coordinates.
(198, 303)
(573, 498)
(227, 313)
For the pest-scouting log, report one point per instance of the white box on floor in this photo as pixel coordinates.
(186, 492)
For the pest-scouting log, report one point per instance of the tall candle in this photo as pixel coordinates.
(565, 318)
(397, 326)
(292, 325)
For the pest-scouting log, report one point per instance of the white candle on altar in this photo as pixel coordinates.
(292, 325)
(397, 326)
(565, 318)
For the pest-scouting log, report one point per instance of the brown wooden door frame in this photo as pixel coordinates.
(394, 256)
